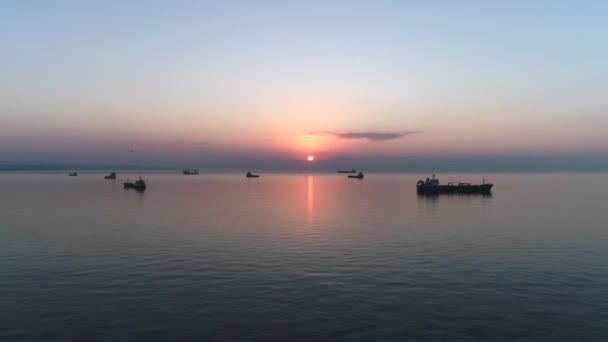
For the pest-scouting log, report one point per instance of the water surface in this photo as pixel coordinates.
(301, 257)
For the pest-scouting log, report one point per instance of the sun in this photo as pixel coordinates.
(310, 158)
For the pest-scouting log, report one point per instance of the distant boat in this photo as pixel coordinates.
(347, 171)
(111, 176)
(190, 172)
(358, 176)
(432, 186)
(73, 174)
(139, 185)
(251, 175)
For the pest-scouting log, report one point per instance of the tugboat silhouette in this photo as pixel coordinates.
(139, 185)
(251, 175)
(357, 176)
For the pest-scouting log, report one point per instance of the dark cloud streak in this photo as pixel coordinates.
(372, 136)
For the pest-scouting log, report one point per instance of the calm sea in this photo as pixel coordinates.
(302, 257)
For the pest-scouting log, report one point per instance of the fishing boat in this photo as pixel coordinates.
(357, 176)
(251, 175)
(347, 171)
(432, 186)
(139, 185)
(190, 172)
(111, 176)
(73, 174)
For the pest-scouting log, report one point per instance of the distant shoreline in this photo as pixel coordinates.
(262, 171)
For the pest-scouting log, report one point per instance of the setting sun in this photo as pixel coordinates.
(311, 158)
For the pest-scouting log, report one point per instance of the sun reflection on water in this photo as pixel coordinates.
(311, 198)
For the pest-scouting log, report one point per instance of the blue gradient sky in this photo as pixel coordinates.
(196, 83)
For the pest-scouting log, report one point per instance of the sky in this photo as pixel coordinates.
(264, 84)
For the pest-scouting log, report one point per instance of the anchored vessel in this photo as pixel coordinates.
(432, 186)
(191, 172)
(73, 174)
(347, 171)
(358, 176)
(111, 176)
(251, 175)
(138, 185)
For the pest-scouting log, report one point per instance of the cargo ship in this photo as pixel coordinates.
(432, 186)
(347, 171)
(190, 172)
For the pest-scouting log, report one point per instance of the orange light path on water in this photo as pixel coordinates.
(311, 201)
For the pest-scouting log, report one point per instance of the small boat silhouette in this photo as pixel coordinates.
(251, 175)
(190, 172)
(73, 174)
(111, 176)
(139, 185)
(358, 176)
(347, 171)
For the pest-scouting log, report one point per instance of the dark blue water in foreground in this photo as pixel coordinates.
(302, 257)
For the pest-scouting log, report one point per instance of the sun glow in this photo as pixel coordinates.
(310, 158)
(309, 143)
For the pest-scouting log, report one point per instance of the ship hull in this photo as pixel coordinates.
(134, 186)
(139, 185)
(454, 189)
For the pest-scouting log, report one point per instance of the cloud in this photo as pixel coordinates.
(372, 136)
